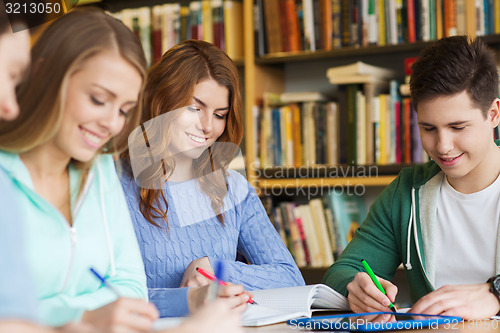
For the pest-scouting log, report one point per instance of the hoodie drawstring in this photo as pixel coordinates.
(106, 225)
(412, 223)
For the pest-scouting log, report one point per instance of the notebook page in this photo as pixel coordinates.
(258, 315)
(291, 300)
(326, 297)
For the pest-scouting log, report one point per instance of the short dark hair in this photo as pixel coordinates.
(453, 65)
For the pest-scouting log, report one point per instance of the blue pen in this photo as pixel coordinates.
(104, 282)
(219, 270)
(213, 290)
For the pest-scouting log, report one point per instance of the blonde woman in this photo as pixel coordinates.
(78, 102)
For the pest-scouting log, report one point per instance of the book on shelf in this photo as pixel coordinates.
(162, 26)
(233, 29)
(360, 68)
(302, 96)
(272, 25)
(356, 79)
(312, 245)
(330, 24)
(348, 213)
(293, 131)
(218, 24)
(281, 304)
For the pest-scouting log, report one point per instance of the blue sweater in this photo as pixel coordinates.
(195, 232)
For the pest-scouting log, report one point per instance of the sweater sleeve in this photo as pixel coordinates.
(375, 241)
(170, 302)
(271, 264)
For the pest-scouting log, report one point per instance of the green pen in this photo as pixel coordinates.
(375, 280)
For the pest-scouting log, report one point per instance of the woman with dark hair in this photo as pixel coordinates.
(189, 210)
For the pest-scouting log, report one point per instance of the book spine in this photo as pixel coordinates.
(218, 24)
(292, 26)
(272, 23)
(308, 17)
(346, 19)
(412, 36)
(283, 22)
(337, 24)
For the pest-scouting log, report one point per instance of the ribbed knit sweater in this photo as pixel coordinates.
(194, 232)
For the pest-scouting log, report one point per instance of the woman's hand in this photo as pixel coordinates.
(123, 315)
(198, 296)
(192, 278)
(220, 316)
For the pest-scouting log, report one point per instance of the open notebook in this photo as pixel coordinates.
(281, 304)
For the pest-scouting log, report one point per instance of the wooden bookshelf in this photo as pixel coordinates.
(350, 52)
(325, 182)
(274, 72)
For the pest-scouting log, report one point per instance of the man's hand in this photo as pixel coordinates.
(471, 302)
(364, 296)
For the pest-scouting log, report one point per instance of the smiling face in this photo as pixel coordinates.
(459, 139)
(200, 124)
(14, 58)
(98, 98)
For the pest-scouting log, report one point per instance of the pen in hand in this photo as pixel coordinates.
(104, 282)
(212, 277)
(377, 283)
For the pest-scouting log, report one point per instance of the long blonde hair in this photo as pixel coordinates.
(60, 51)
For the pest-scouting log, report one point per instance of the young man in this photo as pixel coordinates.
(439, 219)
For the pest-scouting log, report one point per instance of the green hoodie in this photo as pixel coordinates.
(389, 234)
(60, 256)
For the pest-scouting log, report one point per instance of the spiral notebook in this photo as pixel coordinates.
(281, 304)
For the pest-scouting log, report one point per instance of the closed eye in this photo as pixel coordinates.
(124, 113)
(193, 109)
(96, 101)
(458, 128)
(428, 129)
(220, 116)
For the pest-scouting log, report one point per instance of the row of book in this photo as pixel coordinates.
(294, 25)
(362, 128)
(160, 27)
(316, 232)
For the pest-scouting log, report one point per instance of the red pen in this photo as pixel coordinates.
(212, 277)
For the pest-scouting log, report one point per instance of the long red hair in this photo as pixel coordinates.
(169, 86)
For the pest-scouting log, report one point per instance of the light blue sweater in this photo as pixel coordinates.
(17, 292)
(195, 232)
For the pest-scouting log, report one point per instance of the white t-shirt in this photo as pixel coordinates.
(466, 235)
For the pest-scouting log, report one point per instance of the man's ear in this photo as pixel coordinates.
(494, 113)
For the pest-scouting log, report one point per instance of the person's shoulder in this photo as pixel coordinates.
(110, 171)
(237, 180)
(5, 181)
(238, 184)
(419, 174)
